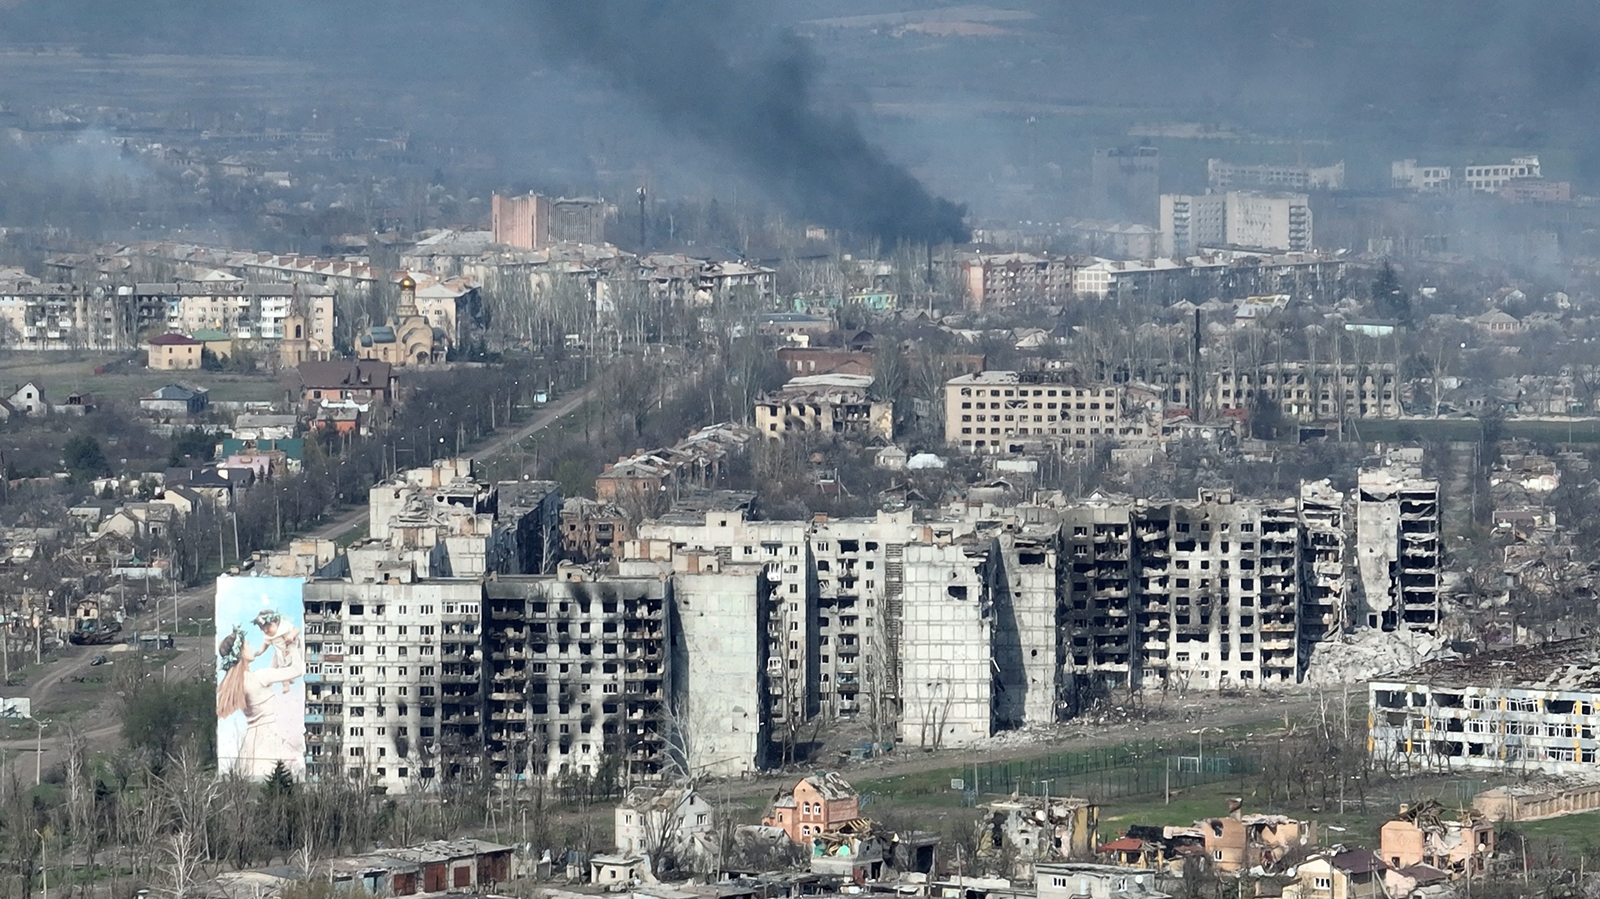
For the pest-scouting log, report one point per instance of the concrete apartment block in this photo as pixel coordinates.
(576, 668)
(1322, 565)
(1398, 549)
(393, 673)
(718, 653)
(946, 674)
(1022, 588)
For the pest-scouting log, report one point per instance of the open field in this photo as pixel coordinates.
(1578, 430)
(1165, 781)
(124, 381)
(1577, 831)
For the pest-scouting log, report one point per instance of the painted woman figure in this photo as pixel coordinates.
(250, 691)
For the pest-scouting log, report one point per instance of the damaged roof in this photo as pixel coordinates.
(1558, 665)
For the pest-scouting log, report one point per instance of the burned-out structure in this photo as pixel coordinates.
(1202, 593)
(1322, 566)
(576, 675)
(1398, 551)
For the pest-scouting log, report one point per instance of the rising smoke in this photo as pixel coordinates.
(759, 111)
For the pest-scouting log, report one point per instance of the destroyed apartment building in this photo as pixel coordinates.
(1398, 556)
(708, 641)
(1201, 594)
(1529, 709)
(828, 404)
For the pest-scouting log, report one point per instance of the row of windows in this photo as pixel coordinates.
(1109, 393)
(1016, 405)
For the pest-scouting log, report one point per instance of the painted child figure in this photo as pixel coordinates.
(284, 638)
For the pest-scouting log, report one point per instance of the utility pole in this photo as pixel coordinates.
(642, 195)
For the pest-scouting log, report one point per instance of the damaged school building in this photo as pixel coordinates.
(1526, 709)
(466, 638)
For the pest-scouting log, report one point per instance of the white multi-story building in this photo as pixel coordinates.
(1493, 176)
(1006, 411)
(1223, 175)
(1190, 222)
(1406, 174)
(1525, 710)
(392, 680)
(1252, 219)
(1262, 220)
(946, 664)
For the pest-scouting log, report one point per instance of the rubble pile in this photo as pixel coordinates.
(1368, 654)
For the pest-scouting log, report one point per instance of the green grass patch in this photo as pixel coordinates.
(1575, 830)
(1586, 430)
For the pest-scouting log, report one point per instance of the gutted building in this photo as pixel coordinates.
(1322, 566)
(1398, 550)
(1022, 589)
(837, 404)
(1522, 710)
(576, 675)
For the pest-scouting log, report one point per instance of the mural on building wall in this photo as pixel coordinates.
(261, 666)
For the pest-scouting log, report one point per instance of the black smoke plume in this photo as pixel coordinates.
(761, 112)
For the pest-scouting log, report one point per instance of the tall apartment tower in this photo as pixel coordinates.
(1124, 184)
(1398, 549)
(576, 675)
(1249, 219)
(946, 653)
(1323, 614)
(1022, 590)
(1202, 594)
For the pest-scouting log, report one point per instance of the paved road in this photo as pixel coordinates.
(497, 445)
(101, 726)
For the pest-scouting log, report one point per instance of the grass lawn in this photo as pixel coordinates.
(1585, 430)
(1575, 830)
(61, 373)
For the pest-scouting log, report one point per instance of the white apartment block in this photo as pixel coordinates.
(1490, 178)
(1223, 175)
(788, 618)
(1406, 174)
(1190, 222)
(392, 674)
(946, 668)
(1262, 220)
(723, 616)
(35, 316)
(1023, 588)
(1250, 219)
(242, 310)
(1005, 411)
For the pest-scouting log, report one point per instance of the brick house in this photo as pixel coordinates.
(816, 805)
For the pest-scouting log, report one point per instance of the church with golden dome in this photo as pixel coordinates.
(408, 339)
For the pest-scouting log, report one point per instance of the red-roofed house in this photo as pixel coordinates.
(174, 352)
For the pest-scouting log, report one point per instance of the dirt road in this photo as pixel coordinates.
(1178, 718)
